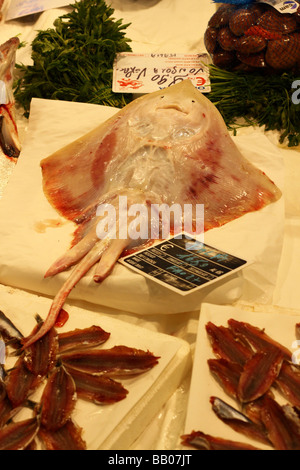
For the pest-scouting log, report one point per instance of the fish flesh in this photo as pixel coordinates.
(9, 138)
(56, 412)
(6, 410)
(259, 374)
(288, 382)
(99, 389)
(40, 357)
(57, 386)
(251, 367)
(225, 345)
(68, 437)
(119, 360)
(21, 383)
(2, 384)
(238, 421)
(281, 428)
(82, 338)
(167, 148)
(10, 144)
(17, 436)
(253, 409)
(201, 441)
(227, 374)
(257, 337)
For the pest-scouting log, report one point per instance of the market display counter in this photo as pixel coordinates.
(267, 293)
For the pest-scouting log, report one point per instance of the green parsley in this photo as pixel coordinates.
(257, 99)
(74, 60)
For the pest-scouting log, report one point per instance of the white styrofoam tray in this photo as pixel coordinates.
(113, 426)
(280, 325)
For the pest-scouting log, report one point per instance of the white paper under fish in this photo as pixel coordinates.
(34, 234)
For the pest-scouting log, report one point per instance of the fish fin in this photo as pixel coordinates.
(73, 255)
(78, 272)
(109, 259)
(64, 172)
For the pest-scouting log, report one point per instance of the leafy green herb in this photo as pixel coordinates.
(257, 99)
(74, 60)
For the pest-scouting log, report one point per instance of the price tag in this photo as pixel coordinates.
(145, 73)
(183, 264)
(20, 8)
(283, 6)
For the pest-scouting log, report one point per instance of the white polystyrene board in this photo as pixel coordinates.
(200, 417)
(116, 425)
(27, 251)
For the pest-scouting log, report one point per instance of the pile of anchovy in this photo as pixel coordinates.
(255, 371)
(69, 366)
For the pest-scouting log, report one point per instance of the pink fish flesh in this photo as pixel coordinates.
(82, 338)
(238, 421)
(168, 147)
(227, 374)
(117, 361)
(69, 437)
(40, 357)
(256, 337)
(9, 138)
(201, 441)
(226, 346)
(288, 382)
(99, 389)
(17, 436)
(58, 399)
(259, 373)
(281, 428)
(21, 383)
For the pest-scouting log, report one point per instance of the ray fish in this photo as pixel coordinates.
(170, 147)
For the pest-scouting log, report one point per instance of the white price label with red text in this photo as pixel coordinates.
(145, 73)
(283, 6)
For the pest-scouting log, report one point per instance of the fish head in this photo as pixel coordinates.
(7, 63)
(173, 114)
(9, 138)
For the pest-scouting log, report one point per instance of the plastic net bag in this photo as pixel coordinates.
(255, 35)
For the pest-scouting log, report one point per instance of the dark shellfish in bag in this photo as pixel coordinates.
(255, 36)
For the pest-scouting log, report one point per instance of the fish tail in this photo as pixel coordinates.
(78, 272)
(73, 255)
(109, 259)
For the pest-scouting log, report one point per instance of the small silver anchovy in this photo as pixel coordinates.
(8, 329)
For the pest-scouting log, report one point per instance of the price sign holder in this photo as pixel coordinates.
(183, 264)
